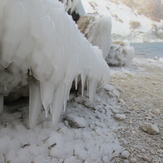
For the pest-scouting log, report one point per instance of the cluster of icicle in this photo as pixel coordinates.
(120, 54)
(97, 29)
(38, 40)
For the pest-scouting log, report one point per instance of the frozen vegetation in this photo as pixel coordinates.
(126, 22)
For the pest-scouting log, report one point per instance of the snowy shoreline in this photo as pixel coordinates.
(87, 132)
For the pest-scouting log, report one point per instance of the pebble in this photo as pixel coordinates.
(120, 117)
(143, 150)
(133, 160)
(160, 151)
(134, 132)
(149, 128)
(145, 158)
(125, 154)
(156, 112)
(125, 161)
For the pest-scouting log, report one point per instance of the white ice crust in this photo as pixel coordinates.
(38, 36)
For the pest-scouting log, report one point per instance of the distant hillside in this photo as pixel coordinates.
(133, 20)
(150, 8)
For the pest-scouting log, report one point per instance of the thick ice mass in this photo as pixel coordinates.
(37, 38)
(97, 29)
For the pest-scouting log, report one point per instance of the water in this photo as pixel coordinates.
(149, 50)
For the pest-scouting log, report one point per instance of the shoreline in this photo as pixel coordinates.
(141, 100)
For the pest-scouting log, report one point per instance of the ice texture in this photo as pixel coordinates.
(120, 55)
(73, 6)
(39, 39)
(1, 104)
(97, 29)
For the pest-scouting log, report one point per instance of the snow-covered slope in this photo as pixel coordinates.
(126, 24)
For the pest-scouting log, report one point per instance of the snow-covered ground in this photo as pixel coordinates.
(86, 133)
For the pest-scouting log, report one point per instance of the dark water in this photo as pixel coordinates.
(149, 50)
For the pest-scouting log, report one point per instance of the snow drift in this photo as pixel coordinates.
(97, 29)
(39, 50)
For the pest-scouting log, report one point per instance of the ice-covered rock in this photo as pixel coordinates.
(35, 42)
(76, 121)
(120, 54)
(97, 29)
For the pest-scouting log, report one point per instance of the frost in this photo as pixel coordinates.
(36, 42)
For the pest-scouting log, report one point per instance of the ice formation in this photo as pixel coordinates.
(120, 54)
(42, 47)
(74, 8)
(97, 29)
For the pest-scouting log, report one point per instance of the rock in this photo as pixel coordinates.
(112, 90)
(133, 160)
(125, 154)
(120, 117)
(161, 117)
(150, 128)
(134, 132)
(147, 159)
(143, 150)
(160, 151)
(76, 121)
(125, 161)
(156, 112)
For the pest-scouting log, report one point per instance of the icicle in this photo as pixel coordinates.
(1, 103)
(47, 94)
(34, 104)
(67, 96)
(58, 103)
(76, 83)
(87, 85)
(83, 82)
(92, 89)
